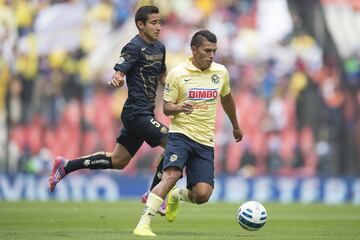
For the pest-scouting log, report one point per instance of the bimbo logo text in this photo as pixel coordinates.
(202, 93)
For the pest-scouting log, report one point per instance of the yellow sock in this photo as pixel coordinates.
(181, 194)
(152, 205)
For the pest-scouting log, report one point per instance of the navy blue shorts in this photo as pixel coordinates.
(139, 129)
(181, 152)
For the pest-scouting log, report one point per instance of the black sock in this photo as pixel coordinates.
(99, 160)
(159, 172)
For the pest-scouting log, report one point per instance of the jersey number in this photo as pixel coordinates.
(155, 123)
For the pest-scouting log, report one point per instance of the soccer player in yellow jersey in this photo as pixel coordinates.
(191, 94)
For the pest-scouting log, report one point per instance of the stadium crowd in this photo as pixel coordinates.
(298, 109)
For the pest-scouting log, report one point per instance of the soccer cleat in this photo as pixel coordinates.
(172, 207)
(144, 230)
(57, 172)
(162, 208)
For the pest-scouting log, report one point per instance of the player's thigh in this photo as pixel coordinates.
(128, 145)
(200, 168)
(177, 152)
(152, 131)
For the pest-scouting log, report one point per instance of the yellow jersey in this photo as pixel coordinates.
(186, 83)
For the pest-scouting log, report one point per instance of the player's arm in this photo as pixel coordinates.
(171, 108)
(162, 78)
(128, 58)
(228, 104)
(118, 79)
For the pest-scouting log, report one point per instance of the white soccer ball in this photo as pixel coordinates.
(251, 215)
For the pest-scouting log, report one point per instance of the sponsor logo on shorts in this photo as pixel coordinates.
(173, 158)
(163, 130)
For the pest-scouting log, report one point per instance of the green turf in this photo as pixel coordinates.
(105, 221)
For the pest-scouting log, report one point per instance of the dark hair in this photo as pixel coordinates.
(201, 36)
(143, 12)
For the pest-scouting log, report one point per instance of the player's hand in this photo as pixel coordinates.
(238, 134)
(117, 80)
(187, 107)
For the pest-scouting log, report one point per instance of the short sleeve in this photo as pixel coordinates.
(171, 90)
(225, 90)
(129, 56)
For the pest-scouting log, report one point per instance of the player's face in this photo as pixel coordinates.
(203, 56)
(152, 27)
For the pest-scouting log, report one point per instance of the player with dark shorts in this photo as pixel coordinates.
(142, 61)
(192, 91)
(143, 64)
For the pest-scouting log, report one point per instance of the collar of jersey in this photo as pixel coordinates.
(145, 42)
(191, 67)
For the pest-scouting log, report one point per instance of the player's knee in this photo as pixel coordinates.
(170, 179)
(170, 176)
(202, 197)
(119, 162)
(202, 194)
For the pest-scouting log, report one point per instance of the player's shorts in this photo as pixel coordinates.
(140, 128)
(182, 151)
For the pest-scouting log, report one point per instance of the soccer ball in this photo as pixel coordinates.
(251, 215)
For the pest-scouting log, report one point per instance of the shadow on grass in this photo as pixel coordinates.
(210, 234)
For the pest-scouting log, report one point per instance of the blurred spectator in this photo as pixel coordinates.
(298, 108)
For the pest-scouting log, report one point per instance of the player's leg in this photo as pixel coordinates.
(159, 172)
(200, 193)
(156, 179)
(62, 167)
(126, 147)
(175, 159)
(155, 200)
(178, 153)
(155, 134)
(200, 179)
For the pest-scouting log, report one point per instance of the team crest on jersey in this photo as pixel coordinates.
(215, 78)
(122, 58)
(203, 93)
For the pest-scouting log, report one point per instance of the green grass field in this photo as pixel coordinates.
(105, 221)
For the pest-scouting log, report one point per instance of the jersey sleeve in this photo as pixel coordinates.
(171, 90)
(225, 90)
(129, 56)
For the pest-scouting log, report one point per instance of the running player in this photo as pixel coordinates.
(142, 61)
(190, 96)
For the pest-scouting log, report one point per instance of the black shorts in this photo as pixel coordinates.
(182, 151)
(140, 128)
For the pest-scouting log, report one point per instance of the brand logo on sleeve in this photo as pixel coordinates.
(202, 94)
